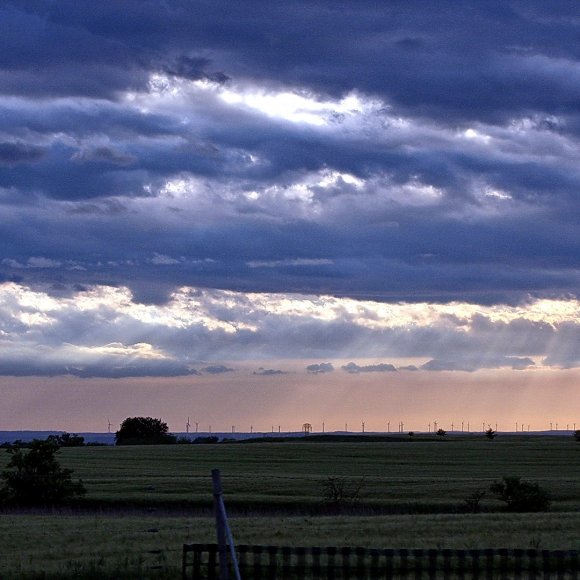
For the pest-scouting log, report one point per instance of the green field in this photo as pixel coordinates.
(144, 499)
(402, 476)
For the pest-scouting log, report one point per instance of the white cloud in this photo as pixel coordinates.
(104, 324)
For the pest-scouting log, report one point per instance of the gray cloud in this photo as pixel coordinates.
(262, 372)
(474, 364)
(320, 368)
(217, 369)
(426, 157)
(104, 155)
(353, 368)
(107, 368)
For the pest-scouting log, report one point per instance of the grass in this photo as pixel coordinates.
(106, 546)
(398, 476)
(274, 493)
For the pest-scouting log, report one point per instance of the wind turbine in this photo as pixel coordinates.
(109, 424)
(187, 425)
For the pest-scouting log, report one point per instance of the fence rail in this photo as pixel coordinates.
(277, 562)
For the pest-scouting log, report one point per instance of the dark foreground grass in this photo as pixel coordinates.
(107, 546)
(418, 476)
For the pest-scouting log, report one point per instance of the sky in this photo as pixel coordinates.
(260, 213)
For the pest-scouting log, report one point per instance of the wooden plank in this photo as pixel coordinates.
(418, 560)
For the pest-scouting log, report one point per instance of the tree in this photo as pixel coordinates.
(143, 431)
(441, 433)
(67, 440)
(490, 433)
(521, 496)
(577, 434)
(35, 477)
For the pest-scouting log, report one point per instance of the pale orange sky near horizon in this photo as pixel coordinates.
(535, 397)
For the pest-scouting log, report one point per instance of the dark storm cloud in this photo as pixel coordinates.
(462, 130)
(12, 153)
(452, 59)
(353, 369)
(194, 69)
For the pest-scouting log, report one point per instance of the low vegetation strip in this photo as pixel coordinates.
(63, 546)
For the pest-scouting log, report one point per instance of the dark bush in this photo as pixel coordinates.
(35, 477)
(576, 434)
(521, 496)
(209, 440)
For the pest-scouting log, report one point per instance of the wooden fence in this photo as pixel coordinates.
(276, 562)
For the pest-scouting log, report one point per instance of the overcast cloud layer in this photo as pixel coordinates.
(396, 154)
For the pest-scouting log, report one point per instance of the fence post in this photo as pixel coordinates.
(224, 535)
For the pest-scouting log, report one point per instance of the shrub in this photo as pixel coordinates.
(473, 500)
(521, 496)
(338, 491)
(34, 476)
(441, 433)
(576, 434)
(490, 433)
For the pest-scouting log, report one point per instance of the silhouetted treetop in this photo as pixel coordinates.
(143, 431)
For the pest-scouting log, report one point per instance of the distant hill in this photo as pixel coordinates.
(10, 436)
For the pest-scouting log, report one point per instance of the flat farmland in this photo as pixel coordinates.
(426, 475)
(143, 503)
(401, 476)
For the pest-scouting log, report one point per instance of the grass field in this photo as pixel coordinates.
(274, 493)
(422, 475)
